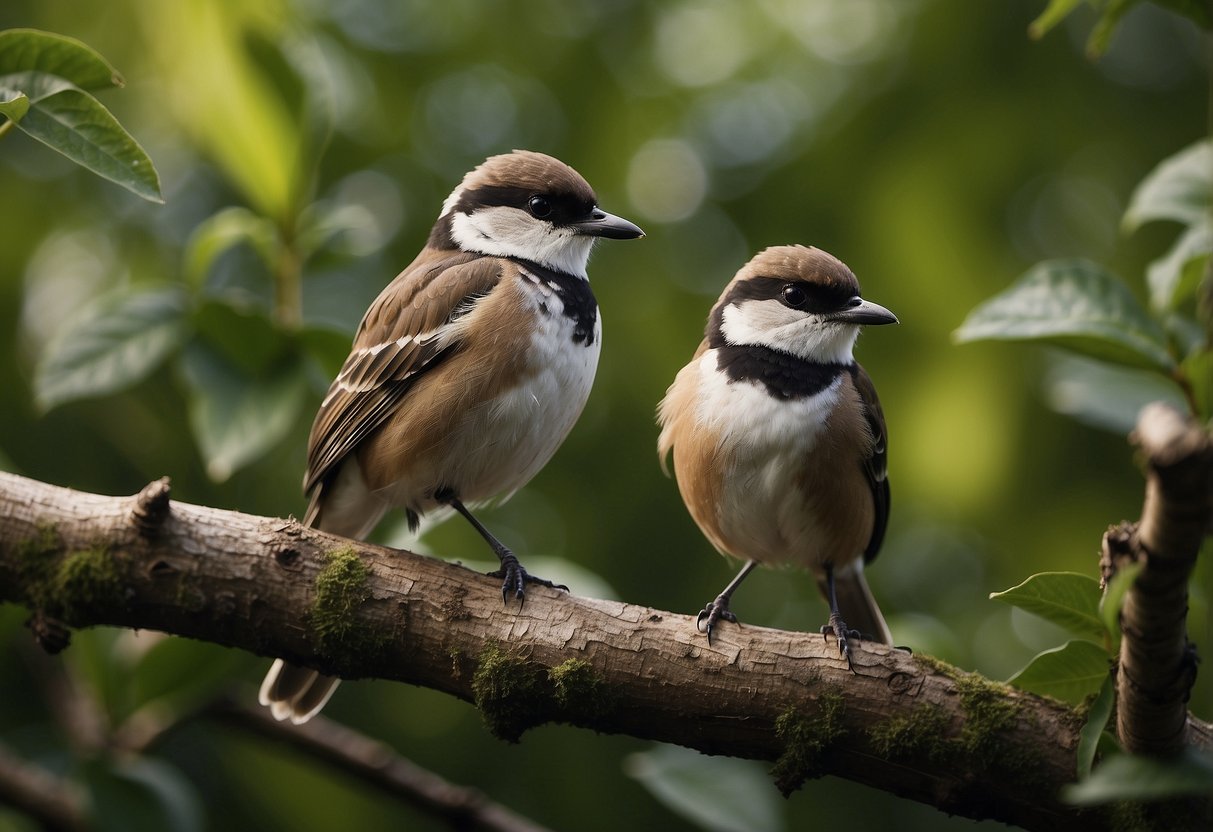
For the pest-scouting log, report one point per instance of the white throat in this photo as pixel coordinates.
(501, 231)
(768, 323)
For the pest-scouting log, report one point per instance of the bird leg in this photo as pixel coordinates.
(513, 577)
(836, 626)
(718, 609)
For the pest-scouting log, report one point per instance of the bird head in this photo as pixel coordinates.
(528, 205)
(797, 300)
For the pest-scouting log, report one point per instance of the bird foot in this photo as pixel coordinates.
(717, 610)
(514, 579)
(838, 628)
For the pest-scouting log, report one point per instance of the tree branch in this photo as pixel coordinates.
(1157, 663)
(906, 724)
(376, 764)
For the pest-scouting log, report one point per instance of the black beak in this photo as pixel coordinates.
(602, 224)
(860, 311)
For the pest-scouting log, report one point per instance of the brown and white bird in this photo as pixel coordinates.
(778, 438)
(466, 373)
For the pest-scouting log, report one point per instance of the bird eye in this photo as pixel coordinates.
(794, 296)
(540, 207)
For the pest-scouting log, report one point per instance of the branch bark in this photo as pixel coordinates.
(906, 724)
(1157, 665)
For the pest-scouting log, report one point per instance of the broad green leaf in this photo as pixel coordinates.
(1076, 305)
(1180, 189)
(1173, 278)
(1068, 599)
(1093, 728)
(1198, 369)
(715, 793)
(77, 125)
(1053, 14)
(237, 417)
(223, 231)
(182, 673)
(1104, 395)
(245, 337)
(1070, 673)
(114, 342)
(1128, 777)
(140, 794)
(32, 50)
(13, 104)
(1114, 598)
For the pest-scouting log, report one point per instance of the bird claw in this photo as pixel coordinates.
(717, 610)
(839, 629)
(514, 579)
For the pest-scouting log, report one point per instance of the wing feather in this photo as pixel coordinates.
(876, 466)
(408, 330)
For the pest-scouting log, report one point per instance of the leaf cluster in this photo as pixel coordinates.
(45, 92)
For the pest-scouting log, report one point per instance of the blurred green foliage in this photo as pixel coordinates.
(304, 149)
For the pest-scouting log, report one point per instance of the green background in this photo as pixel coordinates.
(930, 144)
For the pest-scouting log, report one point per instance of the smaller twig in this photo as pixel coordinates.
(152, 507)
(1157, 664)
(57, 806)
(379, 766)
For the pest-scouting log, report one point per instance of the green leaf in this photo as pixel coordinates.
(32, 50)
(714, 793)
(245, 337)
(223, 231)
(115, 341)
(1076, 305)
(1128, 777)
(1068, 599)
(1180, 189)
(1093, 728)
(1071, 672)
(1174, 277)
(13, 104)
(1114, 598)
(1103, 395)
(77, 125)
(141, 794)
(236, 416)
(181, 674)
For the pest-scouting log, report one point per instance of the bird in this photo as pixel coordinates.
(778, 438)
(465, 375)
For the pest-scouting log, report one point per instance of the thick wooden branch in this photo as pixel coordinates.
(907, 724)
(1157, 664)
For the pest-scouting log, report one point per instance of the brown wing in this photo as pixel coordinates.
(406, 332)
(876, 466)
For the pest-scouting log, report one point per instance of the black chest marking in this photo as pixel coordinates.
(784, 376)
(580, 305)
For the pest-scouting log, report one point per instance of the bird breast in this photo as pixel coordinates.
(504, 403)
(771, 479)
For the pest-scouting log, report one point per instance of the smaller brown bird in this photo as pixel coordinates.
(779, 442)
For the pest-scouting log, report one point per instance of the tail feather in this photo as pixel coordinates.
(295, 693)
(342, 505)
(857, 605)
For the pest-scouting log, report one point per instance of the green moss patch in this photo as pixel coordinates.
(808, 739)
(988, 713)
(510, 692)
(577, 687)
(922, 731)
(37, 561)
(85, 580)
(342, 587)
